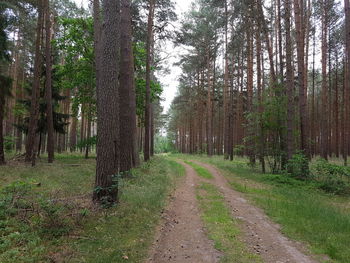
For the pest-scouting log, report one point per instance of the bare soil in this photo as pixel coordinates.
(262, 236)
(181, 236)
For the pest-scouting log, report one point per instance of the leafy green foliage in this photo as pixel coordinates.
(298, 166)
(9, 142)
(333, 178)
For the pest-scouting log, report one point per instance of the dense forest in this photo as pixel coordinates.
(56, 94)
(94, 167)
(266, 80)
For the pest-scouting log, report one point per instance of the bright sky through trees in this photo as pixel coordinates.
(170, 81)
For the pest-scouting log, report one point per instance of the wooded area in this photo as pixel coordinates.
(267, 80)
(68, 76)
(249, 163)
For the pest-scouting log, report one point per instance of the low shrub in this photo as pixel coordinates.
(298, 166)
(333, 178)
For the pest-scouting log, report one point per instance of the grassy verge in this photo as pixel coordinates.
(56, 222)
(304, 213)
(201, 171)
(222, 228)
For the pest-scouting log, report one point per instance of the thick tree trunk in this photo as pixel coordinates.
(34, 108)
(127, 120)
(346, 140)
(107, 149)
(147, 143)
(300, 40)
(48, 94)
(226, 90)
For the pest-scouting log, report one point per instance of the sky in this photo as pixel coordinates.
(169, 81)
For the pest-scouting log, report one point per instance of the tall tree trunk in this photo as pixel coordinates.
(127, 105)
(209, 108)
(107, 149)
(34, 107)
(346, 139)
(147, 150)
(324, 132)
(250, 62)
(260, 102)
(226, 91)
(300, 40)
(48, 94)
(290, 81)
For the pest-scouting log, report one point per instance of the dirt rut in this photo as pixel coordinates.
(261, 235)
(181, 237)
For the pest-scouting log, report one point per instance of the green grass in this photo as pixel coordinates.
(201, 171)
(94, 235)
(305, 213)
(222, 228)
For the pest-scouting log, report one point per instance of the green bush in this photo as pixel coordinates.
(298, 166)
(239, 150)
(9, 143)
(333, 178)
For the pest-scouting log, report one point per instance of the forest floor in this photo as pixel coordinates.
(182, 237)
(176, 208)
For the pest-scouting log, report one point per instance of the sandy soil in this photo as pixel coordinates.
(261, 235)
(181, 236)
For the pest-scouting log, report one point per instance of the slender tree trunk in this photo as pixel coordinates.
(2, 106)
(209, 108)
(147, 150)
(73, 134)
(324, 133)
(107, 149)
(290, 81)
(34, 108)
(336, 109)
(48, 94)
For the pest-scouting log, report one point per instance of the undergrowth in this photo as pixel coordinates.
(46, 213)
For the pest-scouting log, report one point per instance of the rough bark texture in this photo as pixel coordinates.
(300, 40)
(48, 94)
(34, 108)
(346, 120)
(147, 150)
(127, 90)
(108, 106)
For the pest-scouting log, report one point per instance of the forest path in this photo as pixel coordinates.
(261, 235)
(181, 237)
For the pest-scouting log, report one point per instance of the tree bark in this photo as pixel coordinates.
(290, 81)
(300, 39)
(147, 150)
(34, 108)
(48, 94)
(107, 149)
(347, 84)
(324, 131)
